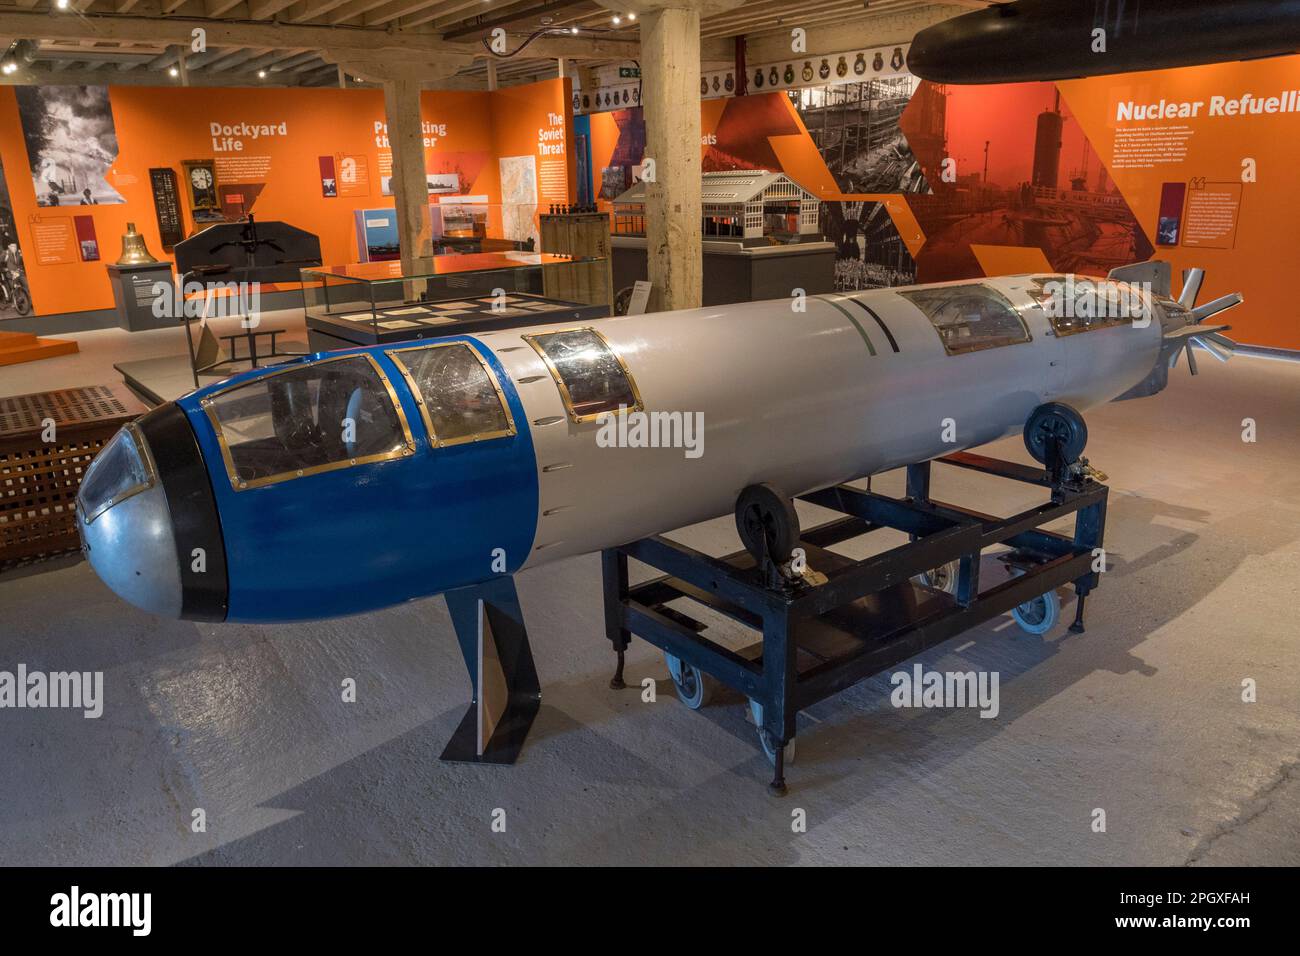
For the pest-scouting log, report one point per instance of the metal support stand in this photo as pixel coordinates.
(823, 634)
(614, 573)
(490, 628)
(1077, 626)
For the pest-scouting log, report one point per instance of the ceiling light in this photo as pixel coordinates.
(261, 74)
(173, 72)
(617, 19)
(573, 29)
(61, 4)
(631, 16)
(9, 67)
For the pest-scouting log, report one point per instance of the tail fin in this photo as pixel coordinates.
(1181, 322)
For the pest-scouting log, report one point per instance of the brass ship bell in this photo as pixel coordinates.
(134, 252)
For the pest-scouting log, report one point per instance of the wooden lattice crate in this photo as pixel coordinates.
(39, 479)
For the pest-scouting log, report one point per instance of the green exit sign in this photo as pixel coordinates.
(626, 72)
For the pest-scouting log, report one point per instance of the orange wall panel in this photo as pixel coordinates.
(466, 133)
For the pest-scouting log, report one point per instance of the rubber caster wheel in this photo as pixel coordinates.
(693, 686)
(1055, 424)
(1039, 615)
(943, 578)
(767, 523)
(765, 739)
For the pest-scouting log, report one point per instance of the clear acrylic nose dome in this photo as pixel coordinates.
(126, 526)
(120, 470)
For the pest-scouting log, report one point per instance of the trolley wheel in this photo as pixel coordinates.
(1039, 615)
(622, 300)
(765, 739)
(1055, 423)
(693, 686)
(767, 523)
(943, 578)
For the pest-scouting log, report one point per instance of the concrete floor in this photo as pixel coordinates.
(1141, 716)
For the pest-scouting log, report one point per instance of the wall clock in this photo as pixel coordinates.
(201, 183)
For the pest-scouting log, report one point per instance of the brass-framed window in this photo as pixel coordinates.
(970, 317)
(459, 396)
(306, 419)
(592, 377)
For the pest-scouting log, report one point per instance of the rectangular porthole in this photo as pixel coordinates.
(592, 378)
(459, 397)
(970, 318)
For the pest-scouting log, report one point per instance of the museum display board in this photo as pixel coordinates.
(1191, 165)
(80, 162)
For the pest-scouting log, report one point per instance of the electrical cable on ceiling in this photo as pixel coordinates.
(530, 38)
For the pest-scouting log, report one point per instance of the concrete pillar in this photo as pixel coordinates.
(492, 74)
(559, 64)
(343, 77)
(410, 188)
(670, 94)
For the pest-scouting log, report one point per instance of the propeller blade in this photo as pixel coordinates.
(1191, 359)
(1222, 341)
(1192, 279)
(1217, 351)
(1221, 304)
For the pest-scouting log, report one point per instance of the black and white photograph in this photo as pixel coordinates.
(855, 127)
(71, 143)
(869, 252)
(15, 298)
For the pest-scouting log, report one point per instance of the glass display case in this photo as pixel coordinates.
(371, 303)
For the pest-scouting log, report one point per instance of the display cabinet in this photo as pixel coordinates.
(377, 302)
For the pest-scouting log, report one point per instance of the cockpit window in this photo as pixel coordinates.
(970, 317)
(458, 395)
(1080, 304)
(308, 419)
(121, 469)
(592, 378)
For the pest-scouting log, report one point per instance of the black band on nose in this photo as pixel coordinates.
(205, 586)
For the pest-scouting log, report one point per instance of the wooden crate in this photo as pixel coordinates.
(39, 479)
(579, 235)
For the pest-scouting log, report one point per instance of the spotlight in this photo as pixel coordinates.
(61, 4)
(631, 16)
(9, 67)
(173, 72)
(261, 74)
(617, 19)
(573, 29)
